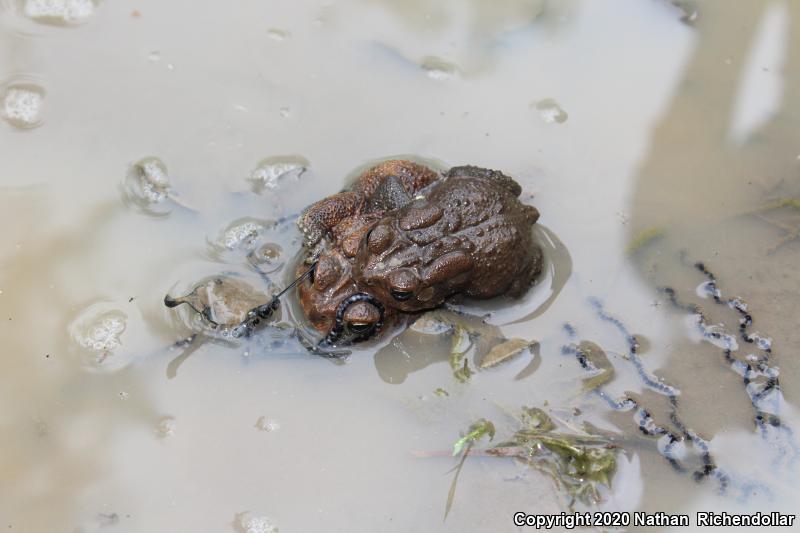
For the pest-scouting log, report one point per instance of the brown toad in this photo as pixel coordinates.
(468, 234)
(404, 238)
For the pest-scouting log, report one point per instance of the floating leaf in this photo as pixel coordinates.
(595, 360)
(504, 351)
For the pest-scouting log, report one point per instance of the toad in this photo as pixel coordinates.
(404, 238)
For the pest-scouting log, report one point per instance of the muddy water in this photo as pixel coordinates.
(146, 146)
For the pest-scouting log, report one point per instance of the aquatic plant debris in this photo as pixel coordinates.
(576, 463)
(460, 345)
(476, 431)
(536, 419)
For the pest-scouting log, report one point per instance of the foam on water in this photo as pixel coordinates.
(22, 105)
(243, 235)
(66, 11)
(106, 339)
(165, 427)
(147, 186)
(254, 524)
(103, 333)
(267, 424)
(273, 172)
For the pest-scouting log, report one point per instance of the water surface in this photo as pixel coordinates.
(159, 143)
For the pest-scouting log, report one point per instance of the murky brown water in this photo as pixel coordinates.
(147, 145)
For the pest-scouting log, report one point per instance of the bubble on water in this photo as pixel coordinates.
(550, 111)
(242, 236)
(438, 69)
(59, 11)
(22, 105)
(147, 186)
(274, 172)
(266, 257)
(268, 253)
(247, 523)
(286, 112)
(105, 338)
(102, 334)
(278, 34)
(154, 56)
(267, 424)
(165, 427)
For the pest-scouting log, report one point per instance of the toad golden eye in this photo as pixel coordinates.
(401, 295)
(360, 327)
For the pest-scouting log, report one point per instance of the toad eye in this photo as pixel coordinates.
(400, 295)
(362, 317)
(360, 328)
